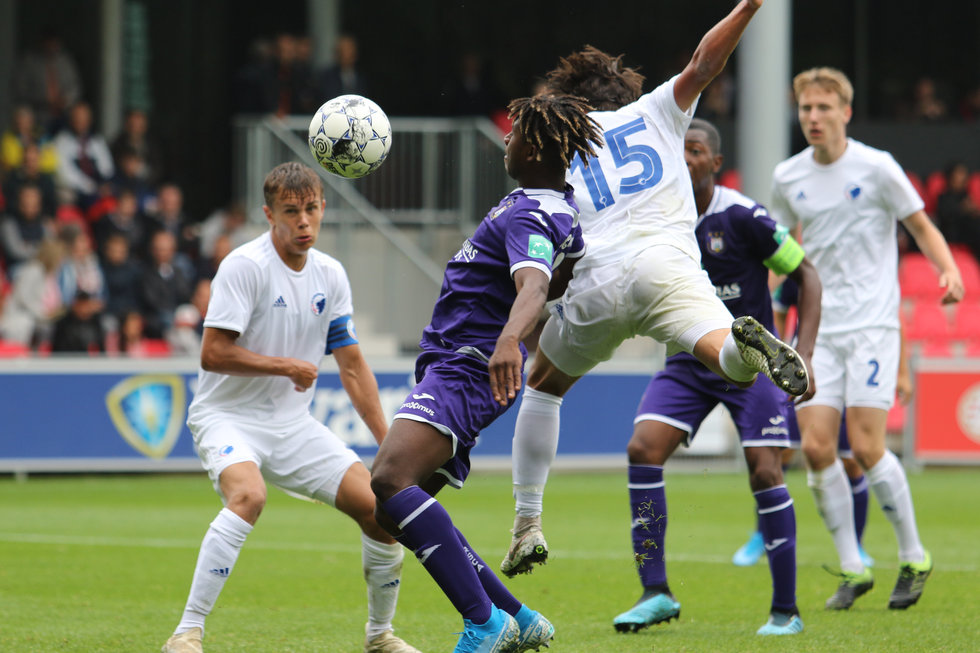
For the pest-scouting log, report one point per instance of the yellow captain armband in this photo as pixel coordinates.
(787, 256)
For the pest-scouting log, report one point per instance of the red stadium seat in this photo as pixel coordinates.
(896, 418)
(731, 178)
(969, 268)
(917, 183)
(10, 349)
(935, 185)
(927, 322)
(966, 322)
(918, 278)
(973, 187)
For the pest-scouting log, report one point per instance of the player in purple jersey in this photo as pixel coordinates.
(739, 245)
(471, 365)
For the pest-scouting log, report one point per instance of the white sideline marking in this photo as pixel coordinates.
(164, 543)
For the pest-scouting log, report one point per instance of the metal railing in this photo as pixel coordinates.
(394, 229)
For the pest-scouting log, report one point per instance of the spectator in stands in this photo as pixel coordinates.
(80, 271)
(183, 337)
(164, 285)
(35, 299)
(247, 80)
(957, 214)
(126, 220)
(123, 277)
(228, 221)
(131, 334)
(46, 79)
(927, 105)
(170, 217)
(208, 267)
(80, 330)
(473, 91)
(135, 137)
(280, 83)
(84, 160)
(31, 171)
(129, 178)
(24, 132)
(24, 228)
(342, 77)
(718, 100)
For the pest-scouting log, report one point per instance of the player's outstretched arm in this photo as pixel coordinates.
(712, 53)
(932, 243)
(362, 388)
(810, 290)
(506, 362)
(220, 353)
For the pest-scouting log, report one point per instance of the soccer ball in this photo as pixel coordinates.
(350, 136)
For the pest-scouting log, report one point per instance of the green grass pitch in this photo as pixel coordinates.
(103, 563)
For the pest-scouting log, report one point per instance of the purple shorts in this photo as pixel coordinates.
(685, 391)
(452, 393)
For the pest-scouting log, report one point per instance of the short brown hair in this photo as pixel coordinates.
(828, 79)
(291, 178)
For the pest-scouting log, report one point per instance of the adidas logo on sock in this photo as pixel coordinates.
(392, 584)
(223, 572)
(279, 303)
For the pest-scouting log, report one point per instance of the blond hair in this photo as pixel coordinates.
(828, 79)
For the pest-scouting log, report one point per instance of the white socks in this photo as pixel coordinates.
(382, 573)
(891, 487)
(216, 559)
(835, 503)
(732, 364)
(534, 447)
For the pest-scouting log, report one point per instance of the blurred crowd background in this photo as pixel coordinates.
(110, 233)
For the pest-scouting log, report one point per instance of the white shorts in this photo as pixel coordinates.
(303, 457)
(659, 292)
(858, 368)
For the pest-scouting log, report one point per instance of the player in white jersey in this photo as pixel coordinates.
(845, 199)
(641, 273)
(277, 305)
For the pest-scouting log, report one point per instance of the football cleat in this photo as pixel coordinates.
(770, 355)
(782, 623)
(911, 581)
(188, 641)
(852, 586)
(536, 631)
(527, 547)
(750, 552)
(500, 634)
(649, 610)
(386, 642)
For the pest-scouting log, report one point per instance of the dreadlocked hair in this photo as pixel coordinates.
(558, 125)
(598, 77)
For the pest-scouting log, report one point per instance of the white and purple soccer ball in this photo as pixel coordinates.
(350, 136)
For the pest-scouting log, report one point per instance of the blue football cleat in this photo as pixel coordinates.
(498, 635)
(536, 631)
(648, 611)
(751, 551)
(782, 623)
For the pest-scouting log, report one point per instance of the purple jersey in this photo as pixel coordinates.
(529, 228)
